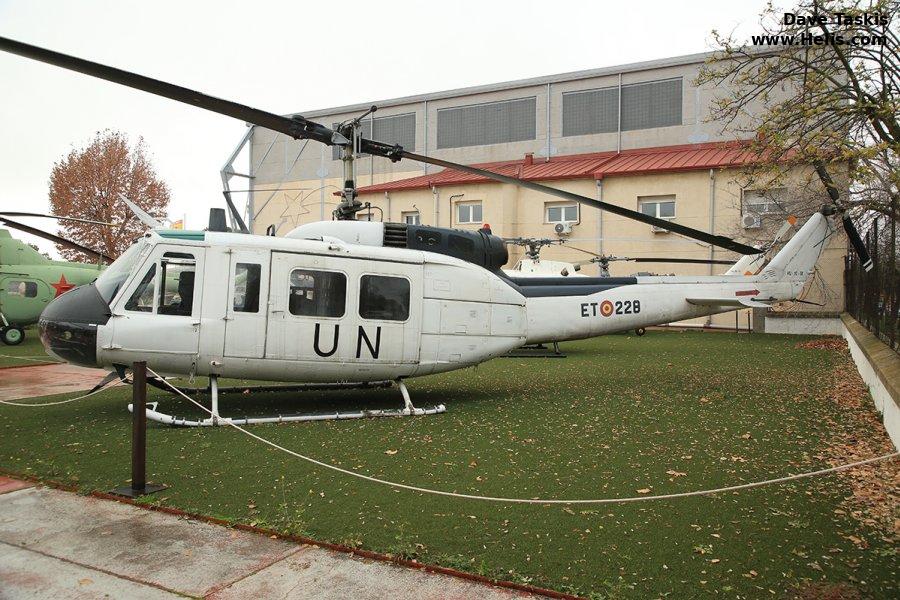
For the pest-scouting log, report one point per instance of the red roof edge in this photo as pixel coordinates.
(596, 165)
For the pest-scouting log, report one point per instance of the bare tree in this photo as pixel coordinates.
(818, 85)
(87, 183)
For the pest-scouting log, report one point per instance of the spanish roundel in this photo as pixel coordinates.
(606, 308)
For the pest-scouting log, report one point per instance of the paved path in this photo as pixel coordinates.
(43, 380)
(55, 544)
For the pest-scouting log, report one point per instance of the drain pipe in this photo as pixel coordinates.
(436, 196)
(450, 207)
(387, 203)
(600, 220)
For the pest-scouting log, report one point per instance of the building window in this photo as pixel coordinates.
(395, 129)
(468, 212)
(26, 289)
(411, 218)
(765, 202)
(651, 104)
(591, 111)
(246, 287)
(661, 207)
(561, 213)
(384, 298)
(317, 293)
(489, 123)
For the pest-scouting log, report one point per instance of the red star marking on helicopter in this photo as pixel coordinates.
(62, 286)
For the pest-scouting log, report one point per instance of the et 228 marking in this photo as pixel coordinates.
(608, 308)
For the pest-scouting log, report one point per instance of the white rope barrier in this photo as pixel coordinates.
(33, 358)
(422, 490)
(10, 403)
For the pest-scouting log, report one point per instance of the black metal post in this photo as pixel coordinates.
(139, 485)
(139, 427)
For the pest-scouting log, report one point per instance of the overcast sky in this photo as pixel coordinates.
(289, 56)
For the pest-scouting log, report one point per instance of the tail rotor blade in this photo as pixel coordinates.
(857, 243)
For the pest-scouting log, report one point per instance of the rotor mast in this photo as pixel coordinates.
(352, 131)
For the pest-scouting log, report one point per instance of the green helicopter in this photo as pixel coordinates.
(30, 280)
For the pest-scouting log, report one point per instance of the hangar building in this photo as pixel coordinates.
(637, 135)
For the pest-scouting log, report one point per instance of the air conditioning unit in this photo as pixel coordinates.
(564, 228)
(657, 229)
(751, 221)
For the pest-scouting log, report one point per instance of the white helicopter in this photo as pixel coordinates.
(349, 302)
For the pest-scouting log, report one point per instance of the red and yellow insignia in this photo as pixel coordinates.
(62, 286)
(606, 308)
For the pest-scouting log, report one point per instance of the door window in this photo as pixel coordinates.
(384, 298)
(246, 287)
(142, 298)
(176, 293)
(317, 293)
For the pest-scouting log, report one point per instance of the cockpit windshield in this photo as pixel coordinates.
(111, 280)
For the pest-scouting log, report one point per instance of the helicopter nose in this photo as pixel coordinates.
(68, 326)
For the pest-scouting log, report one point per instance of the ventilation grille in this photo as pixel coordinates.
(491, 123)
(652, 104)
(593, 111)
(395, 235)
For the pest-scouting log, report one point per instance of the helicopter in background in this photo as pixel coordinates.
(29, 280)
(532, 265)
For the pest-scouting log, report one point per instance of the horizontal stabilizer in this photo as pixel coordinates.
(738, 302)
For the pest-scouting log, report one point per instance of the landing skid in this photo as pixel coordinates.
(535, 351)
(216, 419)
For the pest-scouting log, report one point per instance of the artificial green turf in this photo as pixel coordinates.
(667, 412)
(29, 352)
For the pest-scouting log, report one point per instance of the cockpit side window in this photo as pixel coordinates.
(176, 292)
(142, 298)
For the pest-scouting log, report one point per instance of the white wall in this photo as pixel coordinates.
(885, 404)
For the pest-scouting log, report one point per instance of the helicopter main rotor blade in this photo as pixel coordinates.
(852, 234)
(54, 238)
(58, 218)
(296, 126)
(694, 261)
(715, 240)
(299, 127)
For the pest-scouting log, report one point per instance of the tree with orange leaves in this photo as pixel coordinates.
(87, 183)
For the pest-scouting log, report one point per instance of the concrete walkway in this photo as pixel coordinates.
(55, 544)
(43, 380)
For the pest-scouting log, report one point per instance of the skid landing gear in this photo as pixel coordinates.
(217, 419)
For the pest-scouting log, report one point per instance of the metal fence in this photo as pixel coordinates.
(873, 298)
